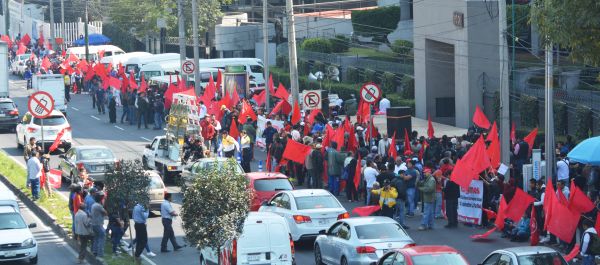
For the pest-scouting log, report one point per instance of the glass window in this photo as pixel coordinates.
(91, 154)
(334, 228)
(539, 259)
(156, 183)
(505, 260)
(7, 106)
(442, 258)
(256, 69)
(399, 260)
(492, 259)
(344, 232)
(389, 259)
(285, 202)
(316, 202)
(272, 184)
(154, 143)
(11, 221)
(50, 121)
(380, 231)
(150, 74)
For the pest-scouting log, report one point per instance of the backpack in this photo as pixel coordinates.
(594, 245)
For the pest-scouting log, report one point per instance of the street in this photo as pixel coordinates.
(127, 142)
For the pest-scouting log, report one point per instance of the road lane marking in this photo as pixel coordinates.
(119, 128)
(75, 108)
(144, 138)
(95, 117)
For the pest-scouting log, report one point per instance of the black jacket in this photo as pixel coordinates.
(451, 190)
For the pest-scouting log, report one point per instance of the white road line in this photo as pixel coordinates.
(119, 128)
(144, 138)
(95, 117)
(75, 108)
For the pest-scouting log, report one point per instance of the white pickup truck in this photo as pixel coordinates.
(163, 157)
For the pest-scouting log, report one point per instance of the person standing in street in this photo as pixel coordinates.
(98, 213)
(167, 213)
(159, 109)
(246, 150)
(268, 133)
(100, 97)
(427, 188)
(451, 195)
(112, 110)
(335, 165)
(82, 228)
(589, 230)
(141, 104)
(140, 216)
(208, 132)
(387, 198)
(228, 144)
(251, 132)
(316, 172)
(400, 186)
(34, 172)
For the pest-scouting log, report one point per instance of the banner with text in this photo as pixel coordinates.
(469, 203)
(262, 124)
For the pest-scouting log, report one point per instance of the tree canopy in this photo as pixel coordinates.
(126, 185)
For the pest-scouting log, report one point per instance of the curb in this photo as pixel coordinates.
(49, 220)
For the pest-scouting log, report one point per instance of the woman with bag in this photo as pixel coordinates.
(83, 230)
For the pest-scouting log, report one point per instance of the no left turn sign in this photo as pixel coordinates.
(311, 99)
(370, 93)
(188, 67)
(40, 104)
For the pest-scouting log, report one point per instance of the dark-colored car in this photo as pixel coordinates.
(9, 114)
(95, 159)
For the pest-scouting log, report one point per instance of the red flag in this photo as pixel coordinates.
(574, 252)
(75, 88)
(518, 205)
(296, 151)
(493, 152)
(101, 54)
(563, 222)
(89, 75)
(352, 142)
(578, 201)
(171, 89)
(72, 58)
(328, 135)
(235, 97)
(339, 137)
(114, 82)
(269, 161)
(484, 235)
(500, 218)
(6, 39)
(561, 198)
(366, 210)
(489, 213)
(392, 152)
(407, 148)
(430, 130)
(357, 171)
(282, 107)
(296, 116)
(260, 98)
(46, 64)
(364, 112)
(271, 85)
(22, 49)
(549, 200)
(225, 101)
(472, 163)
(313, 114)
(56, 141)
(143, 85)
(513, 132)
(233, 130)
(26, 39)
(535, 232)
(480, 119)
(209, 91)
(132, 83)
(219, 80)
(282, 92)
(83, 65)
(530, 138)
(493, 134)
(246, 112)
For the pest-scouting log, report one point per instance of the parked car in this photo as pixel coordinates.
(7, 198)
(265, 239)
(52, 125)
(16, 240)
(423, 255)
(95, 159)
(195, 169)
(306, 211)
(525, 255)
(264, 185)
(19, 65)
(359, 240)
(156, 191)
(9, 114)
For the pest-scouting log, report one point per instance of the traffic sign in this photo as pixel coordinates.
(311, 99)
(188, 67)
(370, 93)
(40, 104)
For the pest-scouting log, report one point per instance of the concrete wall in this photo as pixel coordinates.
(311, 26)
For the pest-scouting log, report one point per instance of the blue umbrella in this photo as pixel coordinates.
(586, 152)
(94, 39)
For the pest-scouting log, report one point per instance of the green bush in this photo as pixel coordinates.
(340, 44)
(318, 66)
(376, 22)
(408, 87)
(388, 82)
(351, 75)
(397, 101)
(521, 17)
(402, 47)
(317, 45)
(303, 68)
(529, 109)
(584, 121)
(560, 118)
(370, 76)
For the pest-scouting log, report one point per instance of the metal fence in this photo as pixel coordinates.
(588, 98)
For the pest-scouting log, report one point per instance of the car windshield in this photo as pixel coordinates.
(11, 221)
(150, 74)
(272, 184)
(216, 164)
(50, 121)
(256, 69)
(542, 259)
(92, 154)
(380, 231)
(316, 202)
(441, 258)
(7, 106)
(156, 183)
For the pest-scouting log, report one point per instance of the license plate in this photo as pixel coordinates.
(51, 131)
(9, 254)
(99, 168)
(254, 257)
(323, 221)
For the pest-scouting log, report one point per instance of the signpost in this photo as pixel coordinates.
(40, 105)
(311, 99)
(188, 67)
(370, 93)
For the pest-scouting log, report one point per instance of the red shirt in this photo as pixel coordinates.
(77, 201)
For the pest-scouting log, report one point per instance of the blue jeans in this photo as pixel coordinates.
(157, 120)
(589, 260)
(410, 196)
(333, 184)
(131, 115)
(117, 234)
(368, 201)
(399, 216)
(438, 205)
(35, 188)
(427, 220)
(98, 245)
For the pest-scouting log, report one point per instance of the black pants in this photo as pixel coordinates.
(452, 211)
(168, 234)
(229, 154)
(246, 157)
(351, 193)
(387, 211)
(141, 235)
(141, 115)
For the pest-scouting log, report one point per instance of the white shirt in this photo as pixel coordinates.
(562, 170)
(384, 104)
(296, 135)
(34, 168)
(370, 176)
(202, 111)
(383, 146)
(586, 240)
(402, 167)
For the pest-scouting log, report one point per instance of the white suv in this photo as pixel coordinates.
(16, 241)
(53, 124)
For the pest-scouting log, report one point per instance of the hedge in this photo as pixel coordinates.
(303, 67)
(376, 22)
(370, 76)
(408, 87)
(318, 66)
(352, 75)
(402, 47)
(529, 109)
(388, 82)
(584, 122)
(340, 44)
(317, 45)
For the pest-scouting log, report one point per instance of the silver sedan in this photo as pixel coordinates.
(359, 241)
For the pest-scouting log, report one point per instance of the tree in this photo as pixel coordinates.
(126, 185)
(402, 47)
(571, 24)
(215, 206)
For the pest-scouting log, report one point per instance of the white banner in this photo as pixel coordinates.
(261, 124)
(469, 203)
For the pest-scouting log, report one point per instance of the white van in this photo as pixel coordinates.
(54, 84)
(265, 239)
(161, 68)
(205, 73)
(115, 60)
(136, 63)
(253, 66)
(109, 50)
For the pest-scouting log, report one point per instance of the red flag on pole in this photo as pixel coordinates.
(56, 142)
(407, 148)
(518, 205)
(296, 116)
(500, 217)
(574, 252)
(493, 152)
(260, 98)
(26, 39)
(530, 138)
(143, 85)
(393, 153)
(430, 130)
(513, 132)
(282, 107)
(549, 200)
(535, 232)
(352, 142)
(22, 49)
(484, 235)
(269, 161)
(313, 114)
(46, 64)
(366, 210)
(132, 83)
(480, 119)
(114, 82)
(296, 151)
(563, 222)
(233, 130)
(282, 92)
(472, 163)
(357, 172)
(219, 80)
(339, 137)
(578, 201)
(247, 112)
(493, 134)
(271, 85)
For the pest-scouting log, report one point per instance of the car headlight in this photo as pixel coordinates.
(28, 243)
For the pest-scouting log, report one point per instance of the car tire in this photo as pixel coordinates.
(33, 260)
(318, 257)
(344, 261)
(19, 144)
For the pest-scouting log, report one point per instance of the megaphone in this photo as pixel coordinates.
(312, 77)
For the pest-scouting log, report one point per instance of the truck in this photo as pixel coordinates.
(53, 84)
(162, 155)
(4, 70)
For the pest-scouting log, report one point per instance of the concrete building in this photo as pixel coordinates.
(456, 58)
(236, 37)
(323, 24)
(404, 30)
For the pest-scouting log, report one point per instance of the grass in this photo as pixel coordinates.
(373, 54)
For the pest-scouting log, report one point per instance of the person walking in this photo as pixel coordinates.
(159, 109)
(125, 100)
(97, 214)
(451, 194)
(246, 150)
(335, 164)
(228, 144)
(167, 213)
(112, 110)
(82, 228)
(140, 216)
(34, 172)
(131, 100)
(100, 97)
(141, 104)
(427, 188)
(316, 173)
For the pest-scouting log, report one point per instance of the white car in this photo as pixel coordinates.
(53, 124)
(19, 65)
(16, 241)
(306, 211)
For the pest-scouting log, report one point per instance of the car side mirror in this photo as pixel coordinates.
(32, 225)
(322, 232)
(148, 146)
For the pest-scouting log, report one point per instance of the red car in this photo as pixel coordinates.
(264, 185)
(424, 255)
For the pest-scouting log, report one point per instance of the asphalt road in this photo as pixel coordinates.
(127, 142)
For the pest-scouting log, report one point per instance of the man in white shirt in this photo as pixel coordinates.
(167, 213)
(203, 110)
(384, 145)
(370, 174)
(399, 166)
(384, 104)
(562, 168)
(588, 257)
(34, 172)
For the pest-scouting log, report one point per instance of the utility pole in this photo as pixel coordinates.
(504, 88)
(52, 37)
(86, 32)
(549, 113)
(7, 17)
(292, 50)
(266, 54)
(181, 36)
(196, 46)
(62, 22)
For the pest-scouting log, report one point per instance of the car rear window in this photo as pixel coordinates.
(91, 154)
(542, 259)
(380, 231)
(7, 106)
(441, 258)
(50, 121)
(272, 184)
(316, 202)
